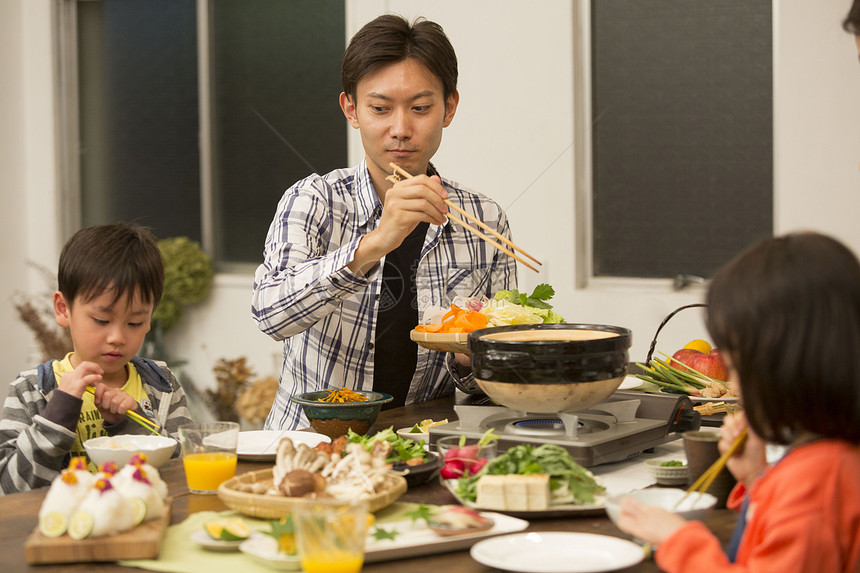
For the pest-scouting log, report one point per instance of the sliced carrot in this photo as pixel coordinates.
(456, 320)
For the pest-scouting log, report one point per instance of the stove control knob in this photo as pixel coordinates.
(686, 419)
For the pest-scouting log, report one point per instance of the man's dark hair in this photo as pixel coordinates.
(389, 39)
(122, 257)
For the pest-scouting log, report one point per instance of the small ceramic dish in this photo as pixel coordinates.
(667, 475)
(264, 549)
(420, 473)
(408, 434)
(204, 540)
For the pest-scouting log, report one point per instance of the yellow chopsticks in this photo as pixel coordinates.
(401, 173)
(135, 417)
(704, 481)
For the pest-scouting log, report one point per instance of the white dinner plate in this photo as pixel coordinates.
(262, 445)
(557, 552)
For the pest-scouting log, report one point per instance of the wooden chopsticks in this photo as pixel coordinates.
(401, 173)
(704, 481)
(135, 417)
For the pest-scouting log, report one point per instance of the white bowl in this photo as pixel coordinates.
(696, 506)
(407, 434)
(119, 449)
(668, 475)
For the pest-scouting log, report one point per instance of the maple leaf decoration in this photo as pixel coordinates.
(380, 534)
(424, 512)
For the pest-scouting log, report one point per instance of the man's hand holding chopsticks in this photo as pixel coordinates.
(405, 205)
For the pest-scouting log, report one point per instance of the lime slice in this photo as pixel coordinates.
(214, 528)
(139, 506)
(53, 524)
(235, 530)
(81, 525)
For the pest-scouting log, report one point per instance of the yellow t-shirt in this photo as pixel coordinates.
(90, 422)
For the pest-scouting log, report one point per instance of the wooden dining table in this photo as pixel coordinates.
(19, 513)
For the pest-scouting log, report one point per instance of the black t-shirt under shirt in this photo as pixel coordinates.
(396, 355)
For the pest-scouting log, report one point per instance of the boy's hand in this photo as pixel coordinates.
(113, 403)
(76, 381)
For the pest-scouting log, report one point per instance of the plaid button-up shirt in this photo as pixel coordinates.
(326, 315)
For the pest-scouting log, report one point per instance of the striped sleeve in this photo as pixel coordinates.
(33, 448)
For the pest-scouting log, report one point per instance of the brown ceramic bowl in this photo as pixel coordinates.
(334, 419)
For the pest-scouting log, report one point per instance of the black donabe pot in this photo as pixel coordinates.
(549, 368)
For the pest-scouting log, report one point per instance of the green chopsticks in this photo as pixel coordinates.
(135, 417)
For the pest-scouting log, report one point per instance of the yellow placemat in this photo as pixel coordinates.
(181, 555)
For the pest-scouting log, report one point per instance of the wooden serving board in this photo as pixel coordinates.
(142, 542)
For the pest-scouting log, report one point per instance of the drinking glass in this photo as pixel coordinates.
(330, 535)
(208, 454)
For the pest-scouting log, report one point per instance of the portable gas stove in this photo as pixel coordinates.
(621, 427)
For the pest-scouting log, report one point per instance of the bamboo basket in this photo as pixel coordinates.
(275, 507)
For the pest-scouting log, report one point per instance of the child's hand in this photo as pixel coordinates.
(76, 381)
(113, 403)
(751, 460)
(650, 524)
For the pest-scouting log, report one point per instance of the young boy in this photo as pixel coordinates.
(110, 279)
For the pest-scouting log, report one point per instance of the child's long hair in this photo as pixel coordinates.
(787, 313)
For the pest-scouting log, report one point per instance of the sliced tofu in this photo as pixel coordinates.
(513, 492)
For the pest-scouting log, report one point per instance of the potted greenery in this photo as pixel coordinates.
(188, 276)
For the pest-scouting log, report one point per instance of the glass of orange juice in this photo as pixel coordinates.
(208, 454)
(330, 535)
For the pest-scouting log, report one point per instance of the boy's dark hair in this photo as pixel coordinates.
(389, 39)
(852, 20)
(122, 257)
(787, 313)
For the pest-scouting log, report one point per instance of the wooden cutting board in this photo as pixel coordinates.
(142, 542)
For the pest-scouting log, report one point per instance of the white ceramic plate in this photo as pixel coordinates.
(264, 549)
(564, 510)
(629, 383)
(414, 538)
(202, 538)
(261, 445)
(557, 552)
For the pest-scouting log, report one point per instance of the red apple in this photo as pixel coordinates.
(710, 365)
(682, 357)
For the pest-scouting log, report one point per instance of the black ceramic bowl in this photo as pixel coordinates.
(550, 368)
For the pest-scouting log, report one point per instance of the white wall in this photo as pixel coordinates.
(512, 139)
(28, 217)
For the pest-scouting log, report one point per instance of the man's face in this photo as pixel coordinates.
(400, 111)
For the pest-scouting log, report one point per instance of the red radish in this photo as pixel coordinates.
(453, 469)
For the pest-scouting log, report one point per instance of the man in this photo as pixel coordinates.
(352, 260)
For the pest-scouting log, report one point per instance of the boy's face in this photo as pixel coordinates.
(400, 110)
(107, 334)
